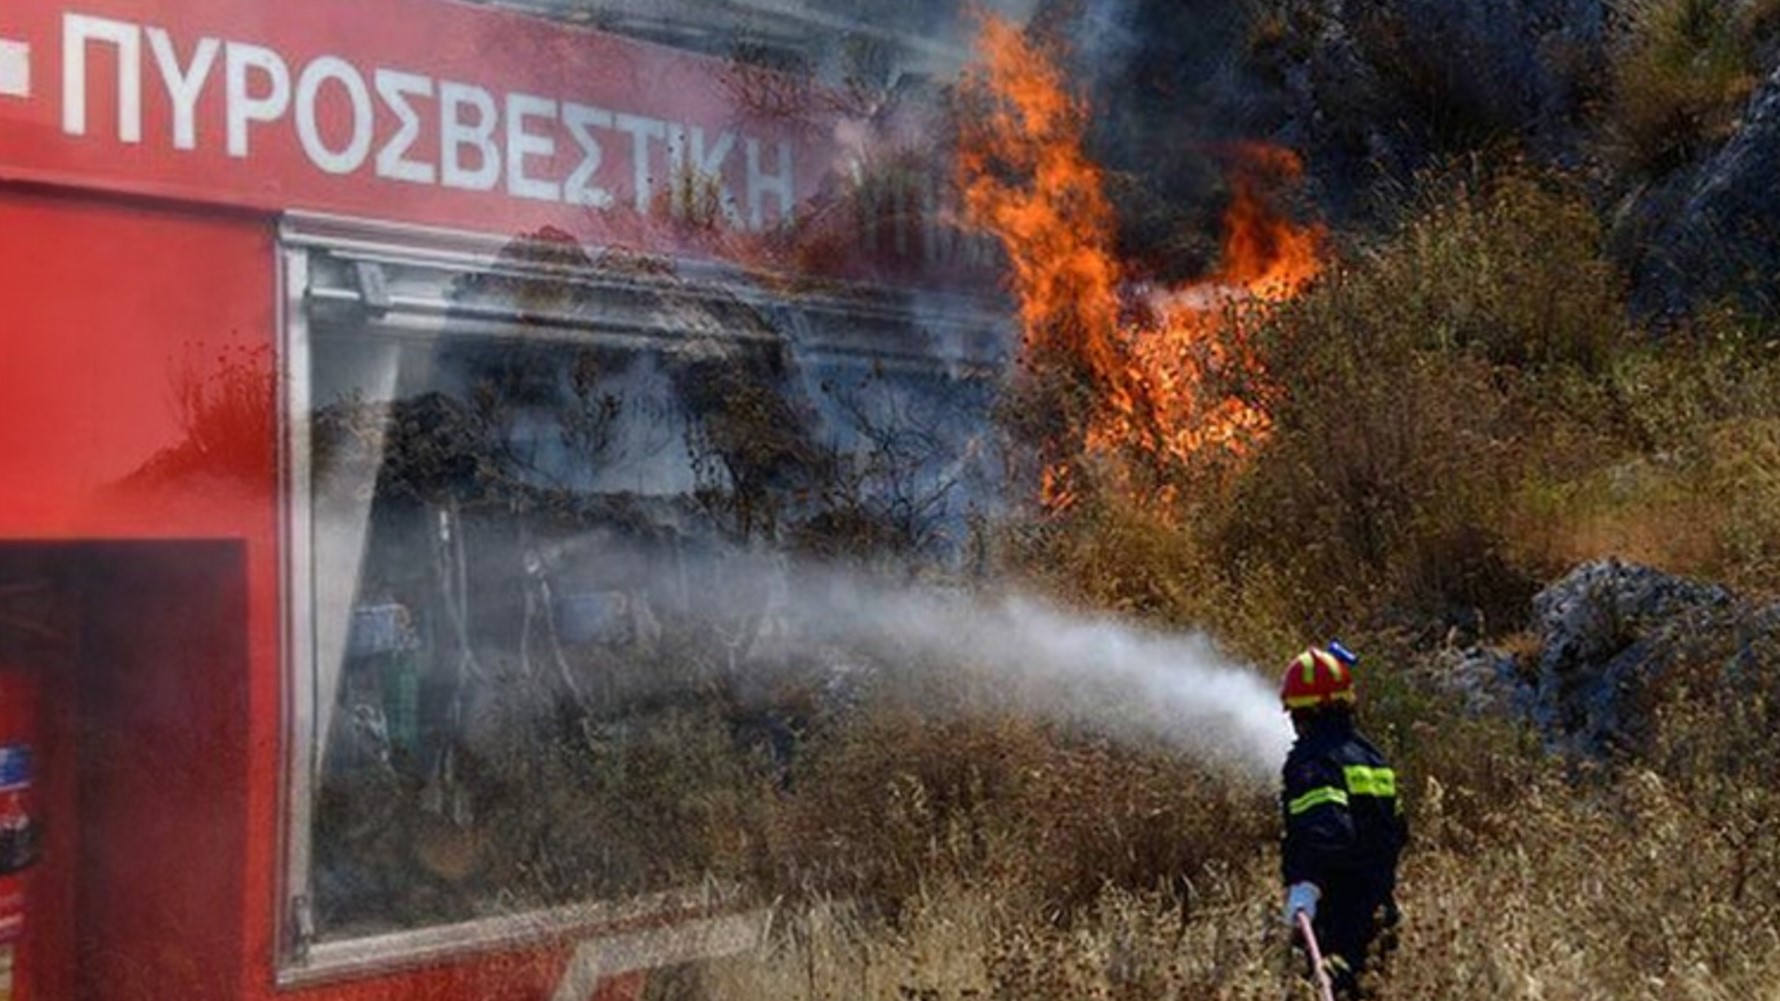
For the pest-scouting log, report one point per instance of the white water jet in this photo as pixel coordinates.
(1093, 672)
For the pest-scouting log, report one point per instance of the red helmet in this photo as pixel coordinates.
(1315, 679)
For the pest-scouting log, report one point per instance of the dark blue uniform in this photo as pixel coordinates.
(1344, 830)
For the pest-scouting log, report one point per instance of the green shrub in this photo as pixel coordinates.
(1504, 265)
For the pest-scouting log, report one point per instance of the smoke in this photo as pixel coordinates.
(1092, 673)
(914, 441)
(1105, 38)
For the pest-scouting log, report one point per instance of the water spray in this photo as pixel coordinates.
(1094, 672)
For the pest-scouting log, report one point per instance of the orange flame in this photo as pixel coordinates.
(1028, 180)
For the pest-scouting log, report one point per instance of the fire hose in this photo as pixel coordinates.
(1325, 990)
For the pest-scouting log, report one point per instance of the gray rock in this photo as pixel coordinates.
(1716, 226)
(1373, 90)
(1487, 680)
(1607, 630)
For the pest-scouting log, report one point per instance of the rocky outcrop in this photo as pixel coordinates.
(1607, 631)
(1715, 229)
(1607, 635)
(1374, 90)
(1486, 679)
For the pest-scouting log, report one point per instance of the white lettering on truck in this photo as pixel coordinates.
(183, 84)
(521, 144)
(245, 106)
(709, 163)
(78, 30)
(641, 129)
(579, 189)
(457, 135)
(358, 143)
(392, 159)
(760, 185)
(530, 146)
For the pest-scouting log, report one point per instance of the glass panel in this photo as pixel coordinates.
(544, 594)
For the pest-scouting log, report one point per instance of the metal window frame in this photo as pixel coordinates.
(670, 926)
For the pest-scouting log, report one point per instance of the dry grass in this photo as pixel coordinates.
(924, 855)
(1623, 892)
(961, 941)
(914, 792)
(1414, 391)
(1678, 469)
(1525, 880)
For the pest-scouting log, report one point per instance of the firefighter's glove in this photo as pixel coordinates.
(1302, 897)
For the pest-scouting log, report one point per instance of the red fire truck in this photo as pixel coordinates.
(265, 268)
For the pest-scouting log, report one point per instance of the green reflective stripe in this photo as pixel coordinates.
(1316, 797)
(1365, 781)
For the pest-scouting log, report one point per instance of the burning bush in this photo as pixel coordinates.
(1133, 379)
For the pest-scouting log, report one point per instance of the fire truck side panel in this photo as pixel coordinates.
(566, 127)
(128, 333)
(143, 410)
(139, 404)
(161, 887)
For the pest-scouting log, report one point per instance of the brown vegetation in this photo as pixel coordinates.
(1463, 408)
(1682, 74)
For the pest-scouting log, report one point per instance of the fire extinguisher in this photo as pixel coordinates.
(20, 828)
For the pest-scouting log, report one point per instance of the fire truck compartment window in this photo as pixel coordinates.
(552, 658)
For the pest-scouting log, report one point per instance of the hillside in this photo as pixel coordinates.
(1536, 335)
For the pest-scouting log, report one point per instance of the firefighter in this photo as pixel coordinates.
(1344, 826)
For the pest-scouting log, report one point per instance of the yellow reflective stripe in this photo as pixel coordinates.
(1307, 661)
(1316, 797)
(1306, 701)
(1365, 781)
